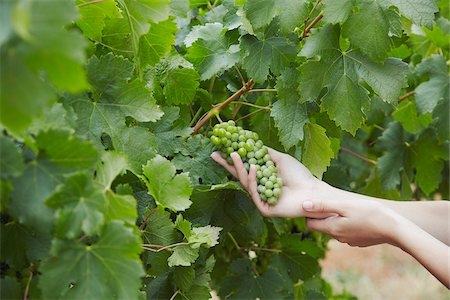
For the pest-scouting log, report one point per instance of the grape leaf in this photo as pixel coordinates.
(428, 158)
(180, 85)
(112, 165)
(11, 289)
(441, 120)
(212, 49)
(429, 93)
(22, 105)
(244, 284)
(79, 207)
(5, 21)
(260, 12)
(317, 152)
(337, 11)
(421, 12)
(157, 42)
(183, 255)
(63, 61)
(120, 207)
(13, 245)
(169, 190)
(11, 164)
(372, 38)
(271, 52)
(184, 277)
(293, 14)
(109, 268)
(92, 17)
(208, 235)
(290, 116)
(391, 162)
(340, 72)
(57, 117)
(195, 158)
(406, 114)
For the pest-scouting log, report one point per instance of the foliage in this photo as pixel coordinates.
(105, 193)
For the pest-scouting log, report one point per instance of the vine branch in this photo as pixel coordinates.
(313, 23)
(370, 161)
(144, 223)
(262, 90)
(218, 108)
(405, 96)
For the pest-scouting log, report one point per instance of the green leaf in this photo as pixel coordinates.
(259, 56)
(429, 93)
(93, 15)
(428, 158)
(293, 14)
(184, 277)
(391, 162)
(6, 29)
(169, 190)
(22, 105)
(109, 268)
(10, 287)
(290, 116)
(79, 207)
(57, 117)
(13, 245)
(180, 86)
(183, 255)
(317, 152)
(341, 74)
(441, 120)
(421, 12)
(63, 61)
(120, 207)
(196, 293)
(372, 38)
(12, 164)
(208, 235)
(337, 11)
(406, 114)
(196, 159)
(157, 42)
(212, 49)
(66, 152)
(260, 12)
(112, 165)
(167, 132)
(244, 284)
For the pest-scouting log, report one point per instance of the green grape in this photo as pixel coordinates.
(276, 192)
(269, 184)
(224, 155)
(261, 189)
(263, 180)
(242, 152)
(248, 134)
(227, 143)
(229, 161)
(248, 146)
(241, 144)
(235, 137)
(272, 169)
(231, 122)
(260, 161)
(259, 143)
(272, 200)
(228, 135)
(276, 185)
(252, 141)
(247, 166)
(267, 173)
(216, 132)
(269, 193)
(259, 154)
(235, 145)
(264, 150)
(280, 181)
(263, 197)
(269, 163)
(273, 179)
(242, 138)
(266, 158)
(215, 140)
(229, 150)
(255, 136)
(259, 174)
(250, 154)
(223, 140)
(252, 161)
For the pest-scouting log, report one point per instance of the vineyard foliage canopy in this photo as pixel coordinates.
(107, 186)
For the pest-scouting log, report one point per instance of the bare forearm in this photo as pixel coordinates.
(431, 216)
(427, 250)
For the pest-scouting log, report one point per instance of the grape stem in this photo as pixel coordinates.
(310, 26)
(218, 108)
(251, 114)
(160, 248)
(144, 223)
(262, 90)
(262, 249)
(405, 96)
(252, 105)
(27, 288)
(370, 161)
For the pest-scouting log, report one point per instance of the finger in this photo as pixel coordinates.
(240, 169)
(324, 206)
(321, 225)
(275, 155)
(219, 159)
(262, 206)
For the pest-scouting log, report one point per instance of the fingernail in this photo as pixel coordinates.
(307, 205)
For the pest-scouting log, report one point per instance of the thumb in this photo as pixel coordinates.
(324, 206)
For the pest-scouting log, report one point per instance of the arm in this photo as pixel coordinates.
(366, 223)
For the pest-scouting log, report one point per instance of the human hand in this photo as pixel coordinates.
(298, 184)
(357, 222)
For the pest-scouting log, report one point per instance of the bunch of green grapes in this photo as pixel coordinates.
(229, 138)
